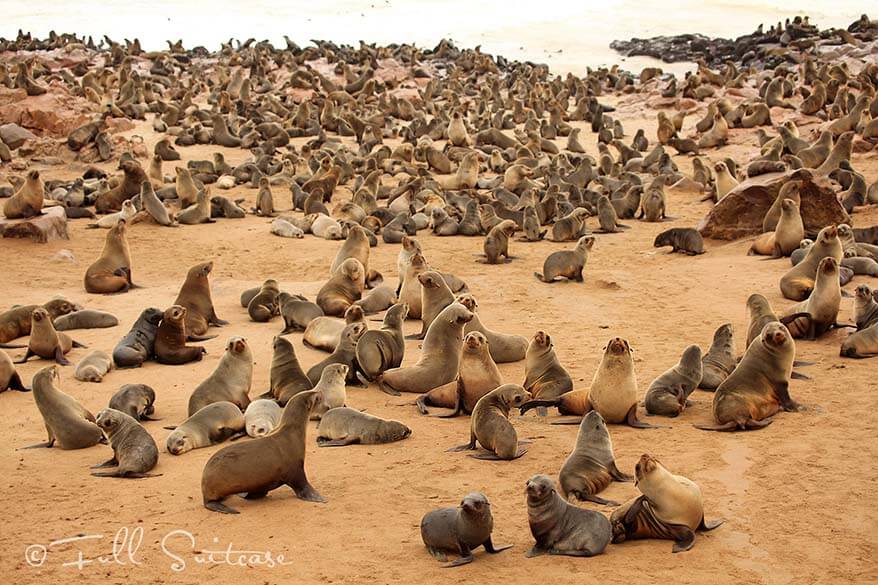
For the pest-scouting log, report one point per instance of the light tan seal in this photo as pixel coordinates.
(544, 376)
(230, 381)
(671, 508)
(111, 273)
(567, 264)
(343, 288)
(356, 245)
(28, 200)
(93, 367)
(460, 530)
(134, 451)
(256, 467)
(798, 283)
(383, 349)
(591, 467)
(490, 426)
(67, 422)
(264, 305)
(819, 312)
(346, 426)
(504, 347)
(435, 296)
(213, 424)
(45, 342)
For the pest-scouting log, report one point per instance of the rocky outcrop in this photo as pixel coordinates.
(14, 135)
(51, 225)
(741, 211)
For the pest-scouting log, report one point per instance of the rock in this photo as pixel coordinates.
(51, 225)
(741, 211)
(14, 135)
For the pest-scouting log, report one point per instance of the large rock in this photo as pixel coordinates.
(741, 211)
(14, 135)
(51, 225)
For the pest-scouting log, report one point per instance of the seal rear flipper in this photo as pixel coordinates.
(15, 383)
(75, 343)
(47, 444)
(149, 418)
(684, 537)
(112, 462)
(387, 389)
(706, 526)
(631, 420)
(617, 474)
(535, 552)
(324, 442)
(217, 506)
(728, 427)
(468, 447)
(464, 560)
(799, 376)
(801, 364)
(200, 337)
(535, 403)
(596, 499)
(59, 357)
(305, 491)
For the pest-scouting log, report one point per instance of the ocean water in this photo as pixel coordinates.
(568, 35)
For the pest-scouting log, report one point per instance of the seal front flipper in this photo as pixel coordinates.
(617, 474)
(26, 357)
(489, 547)
(108, 463)
(799, 376)
(727, 427)
(683, 535)
(15, 383)
(536, 552)
(59, 357)
(468, 447)
(631, 420)
(466, 557)
(567, 420)
(706, 526)
(220, 507)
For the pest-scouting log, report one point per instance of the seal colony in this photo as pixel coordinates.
(423, 178)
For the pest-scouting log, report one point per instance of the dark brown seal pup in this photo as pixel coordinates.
(671, 508)
(460, 530)
(67, 421)
(111, 273)
(759, 386)
(591, 467)
(346, 426)
(139, 344)
(490, 424)
(686, 240)
(667, 395)
(261, 465)
(560, 528)
(134, 450)
(195, 297)
(170, 340)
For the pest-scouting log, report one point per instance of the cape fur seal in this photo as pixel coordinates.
(567, 263)
(344, 287)
(111, 272)
(264, 304)
(324, 333)
(45, 342)
(671, 508)
(686, 240)
(460, 530)
(346, 426)
(230, 381)
(138, 345)
(490, 426)
(212, 424)
(85, 319)
(819, 312)
(667, 395)
(134, 450)
(591, 467)
(286, 377)
(298, 312)
(28, 200)
(16, 322)
(67, 422)
(504, 347)
(383, 349)
(135, 400)
(9, 377)
(195, 297)
(256, 467)
(545, 377)
(720, 360)
(261, 417)
(798, 283)
(170, 340)
(560, 528)
(93, 367)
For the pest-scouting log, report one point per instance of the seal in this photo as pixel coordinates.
(439, 360)
(787, 235)
(819, 312)
(85, 319)
(861, 344)
(93, 367)
(378, 299)
(134, 451)
(261, 417)
(195, 297)
(497, 242)
(383, 349)
(9, 377)
(667, 395)
(135, 400)
(324, 333)
(865, 307)
(264, 305)
(45, 342)
(759, 386)
(212, 424)
(356, 245)
(331, 387)
(170, 339)
(567, 263)
(798, 282)
(490, 426)
(591, 467)
(153, 206)
(297, 312)
(343, 288)
(230, 381)
(261, 465)
(670, 508)
(560, 528)
(138, 345)
(345, 353)
(460, 530)
(504, 347)
(720, 360)
(544, 376)
(16, 322)
(111, 272)
(67, 422)
(435, 296)
(286, 378)
(197, 213)
(685, 240)
(28, 199)
(346, 426)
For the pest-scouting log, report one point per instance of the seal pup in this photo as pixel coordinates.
(865, 307)
(383, 349)
(720, 360)
(212, 424)
(798, 282)
(324, 333)
(378, 299)
(195, 297)
(861, 344)
(134, 451)
(93, 367)
(170, 339)
(138, 345)
(264, 305)
(343, 288)
(439, 360)
(298, 312)
(45, 342)
(591, 467)
(490, 426)
(261, 417)
(9, 377)
(460, 530)
(341, 426)
(345, 353)
(111, 272)
(286, 377)
(759, 386)
(85, 319)
(67, 422)
(560, 528)
(685, 240)
(497, 242)
(135, 400)
(478, 375)
(671, 508)
(197, 213)
(786, 236)
(567, 263)
(356, 245)
(504, 348)
(668, 394)
(230, 381)
(261, 465)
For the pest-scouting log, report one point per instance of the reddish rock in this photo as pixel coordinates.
(741, 211)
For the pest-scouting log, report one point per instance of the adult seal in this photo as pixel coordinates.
(16, 322)
(720, 360)
(344, 287)
(111, 273)
(85, 319)
(490, 426)
(67, 422)
(195, 297)
(460, 530)
(286, 377)
(347, 426)
(256, 467)
(383, 349)
(560, 528)
(134, 451)
(212, 424)
(170, 340)
(671, 508)
(230, 381)
(591, 467)
(798, 283)
(45, 342)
